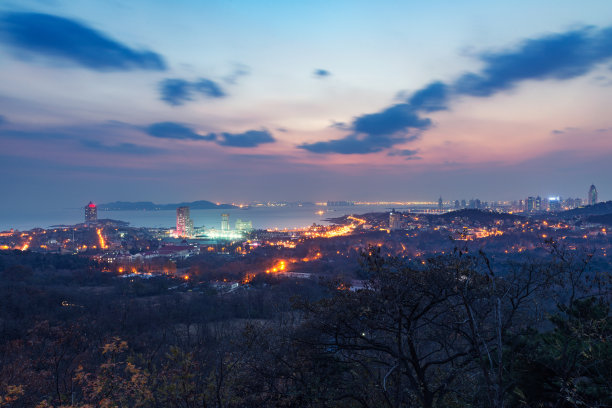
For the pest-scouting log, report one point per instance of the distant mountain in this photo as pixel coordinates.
(150, 206)
(597, 209)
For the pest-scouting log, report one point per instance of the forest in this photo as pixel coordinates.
(454, 330)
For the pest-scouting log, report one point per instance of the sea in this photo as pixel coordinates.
(280, 217)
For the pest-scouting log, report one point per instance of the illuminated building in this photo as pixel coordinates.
(554, 203)
(225, 222)
(243, 225)
(184, 224)
(91, 212)
(530, 204)
(457, 204)
(224, 235)
(395, 220)
(592, 197)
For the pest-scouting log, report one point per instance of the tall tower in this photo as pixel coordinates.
(225, 222)
(91, 212)
(530, 204)
(395, 220)
(184, 225)
(440, 203)
(592, 197)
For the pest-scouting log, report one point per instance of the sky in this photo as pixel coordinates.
(240, 101)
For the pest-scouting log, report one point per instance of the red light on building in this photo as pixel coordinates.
(91, 212)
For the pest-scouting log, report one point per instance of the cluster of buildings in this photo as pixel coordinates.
(185, 228)
(529, 205)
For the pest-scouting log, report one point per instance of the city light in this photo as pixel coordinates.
(101, 238)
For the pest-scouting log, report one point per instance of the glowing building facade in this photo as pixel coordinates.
(225, 222)
(184, 224)
(243, 225)
(91, 212)
(395, 220)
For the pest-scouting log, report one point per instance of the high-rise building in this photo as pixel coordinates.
(554, 203)
(538, 203)
(184, 224)
(530, 204)
(91, 212)
(395, 220)
(243, 225)
(457, 204)
(592, 197)
(225, 222)
(440, 203)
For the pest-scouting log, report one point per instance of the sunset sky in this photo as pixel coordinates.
(303, 100)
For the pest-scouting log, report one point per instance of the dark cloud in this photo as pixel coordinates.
(322, 73)
(65, 39)
(404, 152)
(557, 132)
(122, 148)
(375, 132)
(177, 91)
(351, 144)
(172, 130)
(357, 144)
(240, 70)
(558, 56)
(434, 97)
(208, 88)
(250, 138)
(393, 119)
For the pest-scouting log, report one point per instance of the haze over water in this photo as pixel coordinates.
(262, 217)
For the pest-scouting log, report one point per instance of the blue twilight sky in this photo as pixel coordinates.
(313, 100)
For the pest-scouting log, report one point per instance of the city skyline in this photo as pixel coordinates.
(239, 102)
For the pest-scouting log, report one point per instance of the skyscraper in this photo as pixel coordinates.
(554, 203)
(91, 212)
(530, 204)
(243, 225)
(395, 220)
(592, 197)
(225, 222)
(184, 224)
(440, 203)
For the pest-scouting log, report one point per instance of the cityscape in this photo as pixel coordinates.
(506, 228)
(322, 204)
